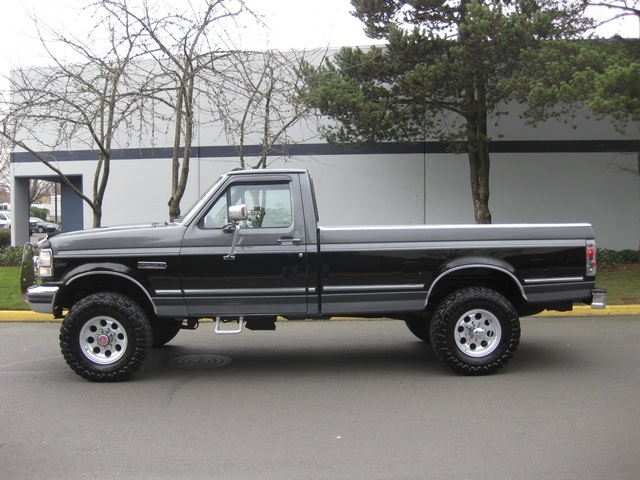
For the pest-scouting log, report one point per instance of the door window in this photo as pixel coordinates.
(268, 206)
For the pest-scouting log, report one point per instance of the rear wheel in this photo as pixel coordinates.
(475, 331)
(105, 337)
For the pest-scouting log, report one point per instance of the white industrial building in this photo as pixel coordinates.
(555, 172)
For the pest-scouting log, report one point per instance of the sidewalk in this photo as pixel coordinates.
(578, 311)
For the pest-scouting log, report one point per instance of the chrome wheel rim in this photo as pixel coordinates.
(478, 333)
(103, 340)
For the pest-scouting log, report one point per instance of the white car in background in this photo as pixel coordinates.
(5, 219)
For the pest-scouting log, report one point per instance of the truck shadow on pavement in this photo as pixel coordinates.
(413, 358)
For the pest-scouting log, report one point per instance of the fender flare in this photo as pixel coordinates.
(106, 269)
(466, 263)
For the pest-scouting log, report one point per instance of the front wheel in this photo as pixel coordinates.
(105, 337)
(475, 331)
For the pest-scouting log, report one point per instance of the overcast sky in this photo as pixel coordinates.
(291, 24)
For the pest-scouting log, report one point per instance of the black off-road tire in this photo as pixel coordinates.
(475, 331)
(106, 337)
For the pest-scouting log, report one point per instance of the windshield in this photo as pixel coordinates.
(197, 206)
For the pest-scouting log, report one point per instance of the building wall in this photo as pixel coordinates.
(555, 172)
(370, 189)
(351, 189)
(549, 188)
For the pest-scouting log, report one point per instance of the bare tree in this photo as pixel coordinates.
(71, 104)
(39, 189)
(618, 8)
(187, 44)
(5, 166)
(267, 107)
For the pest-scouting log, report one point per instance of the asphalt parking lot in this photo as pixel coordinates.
(328, 400)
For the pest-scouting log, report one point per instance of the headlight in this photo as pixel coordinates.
(45, 263)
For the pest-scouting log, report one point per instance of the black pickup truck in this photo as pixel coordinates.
(250, 251)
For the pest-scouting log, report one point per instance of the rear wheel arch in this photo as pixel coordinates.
(498, 277)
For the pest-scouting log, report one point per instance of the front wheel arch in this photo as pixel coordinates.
(83, 284)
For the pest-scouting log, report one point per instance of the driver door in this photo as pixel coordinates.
(268, 272)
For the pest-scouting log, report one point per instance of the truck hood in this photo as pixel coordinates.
(118, 240)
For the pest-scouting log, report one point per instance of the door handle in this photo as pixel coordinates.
(294, 241)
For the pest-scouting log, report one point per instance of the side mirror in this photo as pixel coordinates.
(238, 213)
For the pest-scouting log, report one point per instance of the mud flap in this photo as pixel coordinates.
(27, 273)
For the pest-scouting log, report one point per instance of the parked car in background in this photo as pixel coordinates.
(5, 220)
(38, 225)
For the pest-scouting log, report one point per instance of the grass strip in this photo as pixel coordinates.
(10, 295)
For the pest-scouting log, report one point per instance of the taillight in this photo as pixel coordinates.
(592, 261)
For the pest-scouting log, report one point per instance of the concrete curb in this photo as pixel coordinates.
(578, 311)
(586, 311)
(24, 316)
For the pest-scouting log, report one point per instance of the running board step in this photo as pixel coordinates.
(223, 331)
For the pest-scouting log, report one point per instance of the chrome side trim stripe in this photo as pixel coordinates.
(169, 293)
(152, 265)
(534, 281)
(371, 288)
(229, 292)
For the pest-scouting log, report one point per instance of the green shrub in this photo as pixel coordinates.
(41, 213)
(612, 259)
(10, 256)
(5, 237)
(629, 256)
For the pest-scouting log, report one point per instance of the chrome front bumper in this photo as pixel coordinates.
(40, 298)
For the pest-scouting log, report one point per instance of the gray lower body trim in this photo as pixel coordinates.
(556, 292)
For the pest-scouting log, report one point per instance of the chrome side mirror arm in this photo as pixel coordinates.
(237, 213)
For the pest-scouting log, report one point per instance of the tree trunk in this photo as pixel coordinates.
(97, 215)
(478, 151)
(174, 204)
(180, 174)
